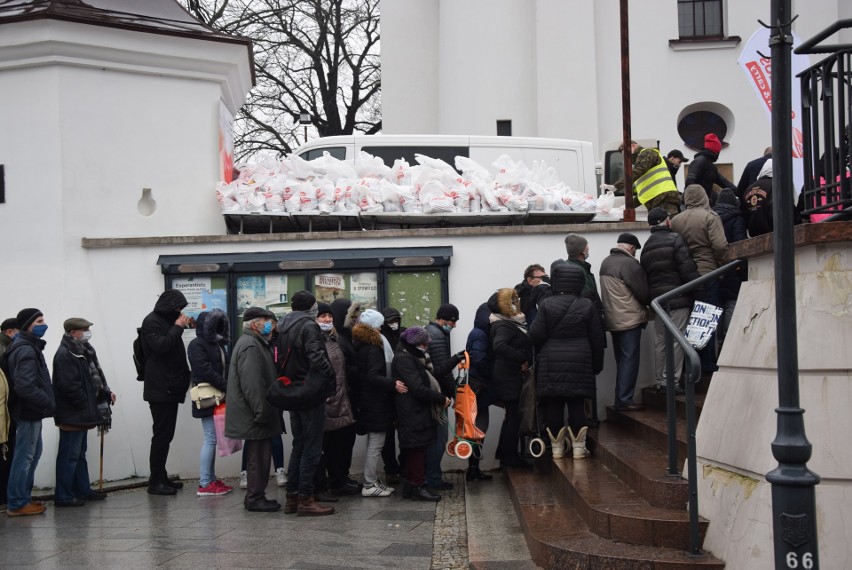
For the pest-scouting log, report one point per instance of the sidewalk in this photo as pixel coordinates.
(132, 529)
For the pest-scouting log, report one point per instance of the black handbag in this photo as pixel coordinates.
(298, 395)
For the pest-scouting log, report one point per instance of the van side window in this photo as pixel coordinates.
(391, 153)
(338, 152)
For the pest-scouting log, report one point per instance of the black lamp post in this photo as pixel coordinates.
(793, 484)
(305, 120)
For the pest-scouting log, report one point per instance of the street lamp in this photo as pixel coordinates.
(305, 119)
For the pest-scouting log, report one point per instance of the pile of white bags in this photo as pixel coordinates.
(366, 184)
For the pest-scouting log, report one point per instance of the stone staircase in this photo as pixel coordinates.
(617, 508)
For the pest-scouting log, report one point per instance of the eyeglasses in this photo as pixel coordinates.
(542, 276)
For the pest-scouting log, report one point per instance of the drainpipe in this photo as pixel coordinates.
(793, 484)
(629, 212)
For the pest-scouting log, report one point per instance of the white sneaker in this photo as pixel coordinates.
(280, 477)
(377, 490)
(243, 480)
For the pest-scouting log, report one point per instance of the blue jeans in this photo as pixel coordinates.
(19, 493)
(307, 428)
(434, 455)
(207, 460)
(72, 469)
(626, 346)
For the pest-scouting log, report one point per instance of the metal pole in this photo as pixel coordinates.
(793, 484)
(671, 408)
(629, 212)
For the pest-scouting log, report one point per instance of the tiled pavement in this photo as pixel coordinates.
(132, 529)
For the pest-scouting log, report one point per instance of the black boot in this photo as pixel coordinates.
(423, 493)
(406, 489)
(475, 474)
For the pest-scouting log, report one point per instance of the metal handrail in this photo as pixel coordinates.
(693, 375)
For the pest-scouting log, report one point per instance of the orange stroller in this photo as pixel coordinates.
(468, 437)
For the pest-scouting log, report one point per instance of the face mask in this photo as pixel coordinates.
(422, 349)
(587, 256)
(219, 338)
(87, 336)
(447, 329)
(267, 328)
(39, 330)
(326, 327)
(393, 326)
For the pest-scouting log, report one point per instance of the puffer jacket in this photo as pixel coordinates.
(208, 360)
(478, 348)
(73, 387)
(531, 296)
(30, 391)
(376, 412)
(166, 368)
(511, 346)
(703, 172)
(248, 415)
(702, 229)
(568, 336)
(338, 407)
(668, 265)
(624, 291)
(590, 288)
(757, 205)
(299, 334)
(415, 423)
(734, 223)
(439, 352)
(342, 312)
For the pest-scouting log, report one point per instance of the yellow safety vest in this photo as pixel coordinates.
(657, 180)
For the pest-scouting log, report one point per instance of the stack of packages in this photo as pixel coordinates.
(327, 185)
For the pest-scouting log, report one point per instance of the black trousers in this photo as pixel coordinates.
(258, 459)
(337, 455)
(507, 448)
(164, 415)
(553, 412)
(389, 457)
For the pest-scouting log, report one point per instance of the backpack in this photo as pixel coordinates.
(139, 355)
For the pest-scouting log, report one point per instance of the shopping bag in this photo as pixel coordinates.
(528, 404)
(224, 444)
(702, 324)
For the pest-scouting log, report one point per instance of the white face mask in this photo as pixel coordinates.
(393, 326)
(87, 336)
(326, 327)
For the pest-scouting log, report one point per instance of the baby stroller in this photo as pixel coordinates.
(468, 438)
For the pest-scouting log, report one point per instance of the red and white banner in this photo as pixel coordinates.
(759, 72)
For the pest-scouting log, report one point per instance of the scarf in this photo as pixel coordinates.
(518, 320)
(95, 373)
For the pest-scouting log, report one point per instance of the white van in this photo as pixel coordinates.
(573, 160)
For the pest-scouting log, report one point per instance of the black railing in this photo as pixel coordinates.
(827, 126)
(693, 374)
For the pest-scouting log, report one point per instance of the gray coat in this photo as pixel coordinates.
(248, 415)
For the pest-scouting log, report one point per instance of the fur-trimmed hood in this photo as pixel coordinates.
(352, 314)
(508, 302)
(211, 323)
(364, 334)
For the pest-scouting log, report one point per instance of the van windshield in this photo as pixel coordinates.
(389, 154)
(338, 152)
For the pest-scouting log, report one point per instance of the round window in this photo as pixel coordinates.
(698, 120)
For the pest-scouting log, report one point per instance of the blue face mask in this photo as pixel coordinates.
(39, 330)
(447, 329)
(267, 328)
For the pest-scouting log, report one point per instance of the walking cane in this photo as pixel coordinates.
(101, 467)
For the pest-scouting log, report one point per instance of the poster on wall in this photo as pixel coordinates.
(364, 289)
(201, 296)
(251, 292)
(226, 143)
(329, 286)
(277, 299)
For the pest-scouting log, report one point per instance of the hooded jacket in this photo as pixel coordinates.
(377, 408)
(478, 347)
(668, 264)
(30, 392)
(511, 346)
(166, 368)
(531, 296)
(702, 229)
(73, 386)
(250, 374)
(590, 288)
(208, 359)
(703, 172)
(340, 309)
(568, 336)
(338, 407)
(439, 352)
(624, 291)
(390, 313)
(757, 203)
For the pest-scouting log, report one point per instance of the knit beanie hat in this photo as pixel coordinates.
(711, 143)
(575, 244)
(415, 336)
(26, 318)
(323, 308)
(372, 318)
(10, 323)
(448, 312)
(302, 301)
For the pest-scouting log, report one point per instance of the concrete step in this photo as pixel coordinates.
(641, 465)
(649, 425)
(657, 400)
(612, 509)
(559, 537)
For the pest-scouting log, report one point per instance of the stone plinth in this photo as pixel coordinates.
(738, 421)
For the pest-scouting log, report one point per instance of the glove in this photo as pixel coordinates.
(608, 188)
(459, 357)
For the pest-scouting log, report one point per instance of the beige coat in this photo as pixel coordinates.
(624, 291)
(702, 229)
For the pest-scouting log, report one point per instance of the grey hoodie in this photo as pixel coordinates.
(702, 229)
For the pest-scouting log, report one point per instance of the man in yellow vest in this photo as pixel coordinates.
(652, 181)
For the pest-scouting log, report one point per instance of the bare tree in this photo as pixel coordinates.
(319, 57)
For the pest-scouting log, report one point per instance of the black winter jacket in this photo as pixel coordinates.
(757, 205)
(703, 171)
(301, 336)
(415, 424)
(76, 397)
(531, 297)
(376, 413)
(207, 354)
(30, 394)
(478, 348)
(512, 347)
(668, 264)
(166, 369)
(439, 352)
(734, 223)
(569, 338)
